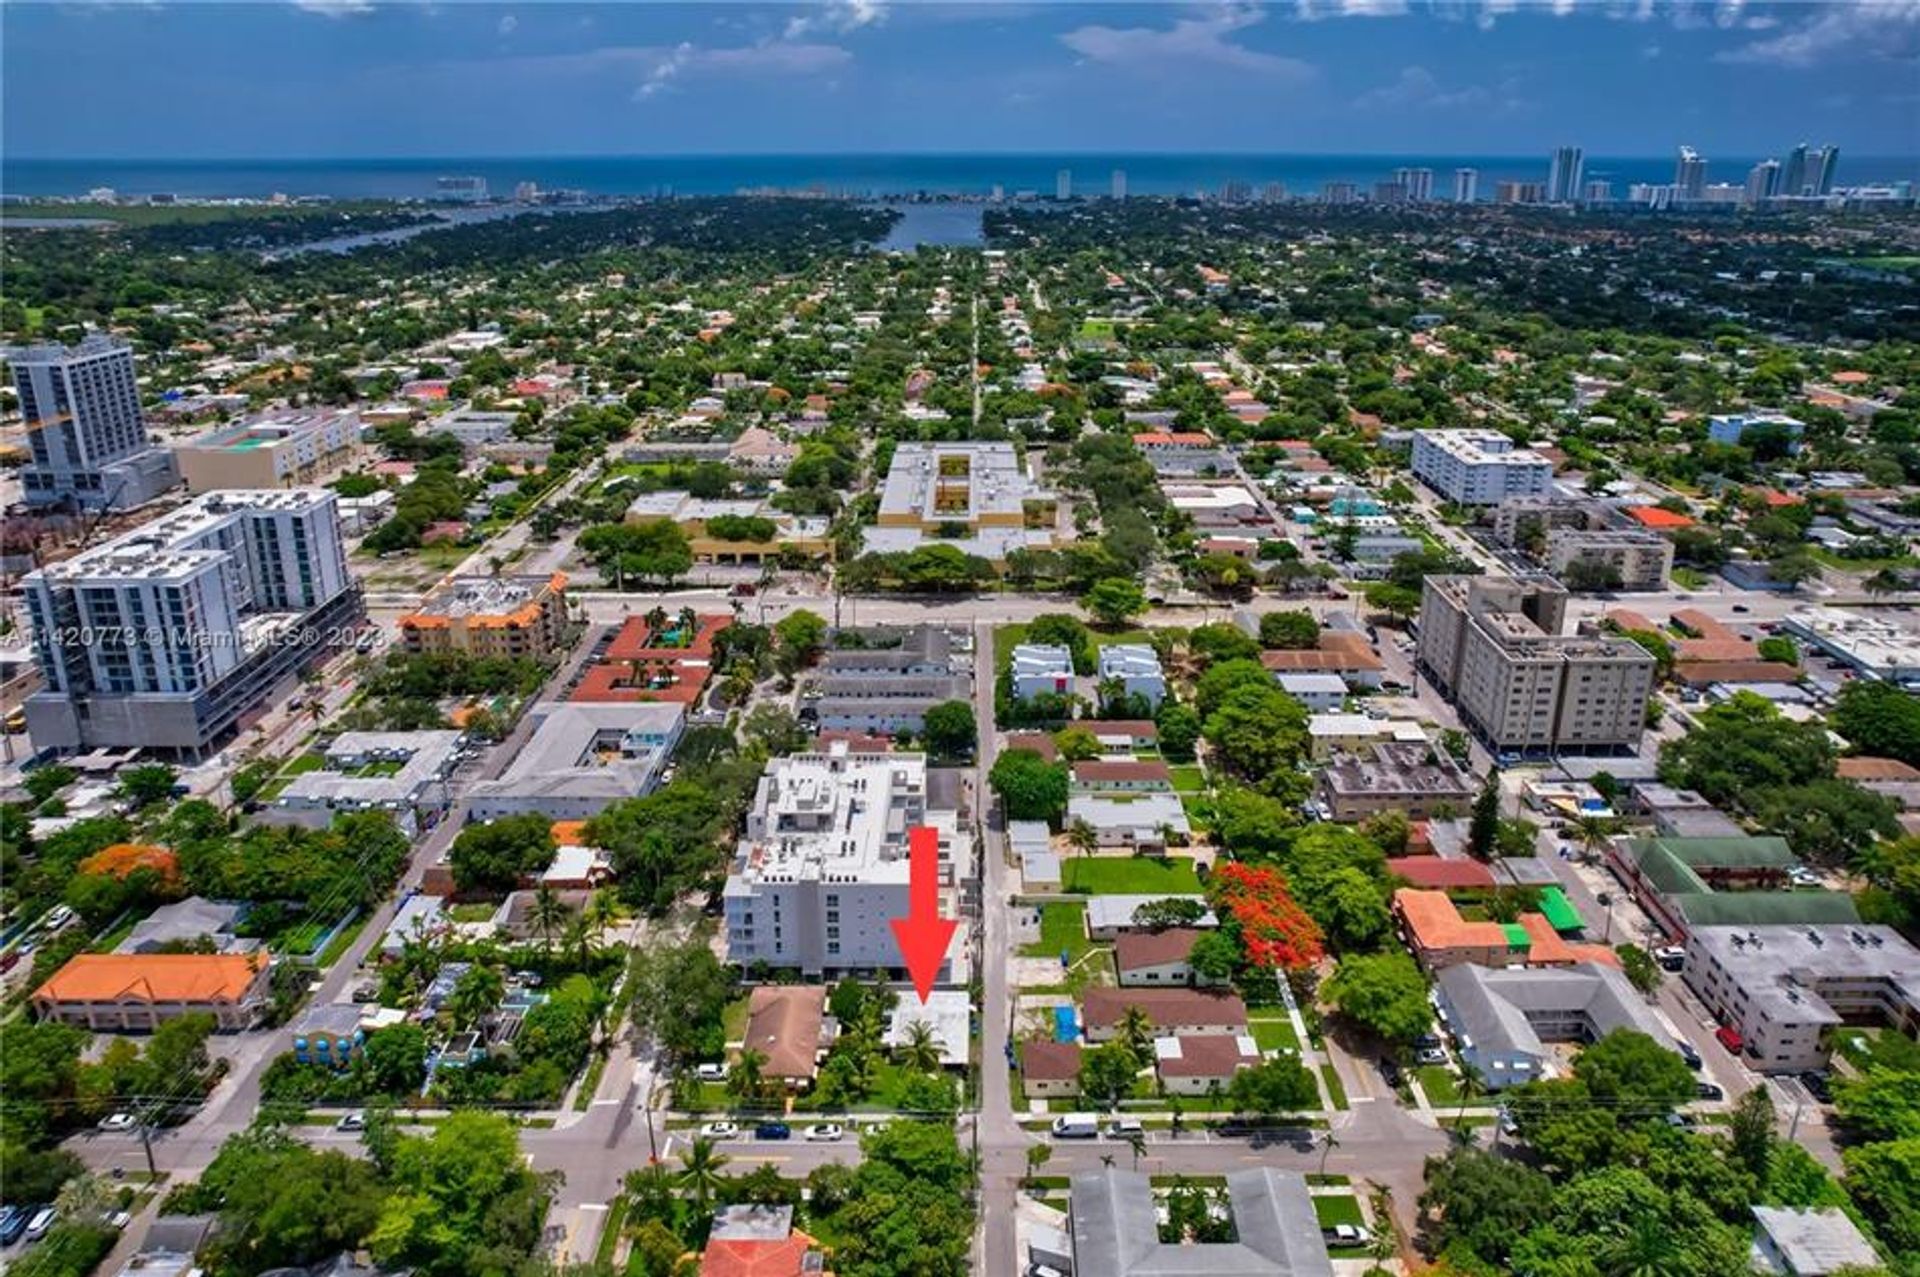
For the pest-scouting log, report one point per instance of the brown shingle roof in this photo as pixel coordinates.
(1044, 1061)
(1207, 1055)
(1167, 1007)
(1136, 949)
(783, 1024)
(1875, 769)
(1120, 771)
(1699, 673)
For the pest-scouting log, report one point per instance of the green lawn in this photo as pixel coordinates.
(304, 764)
(610, 1231)
(341, 940)
(1062, 927)
(472, 911)
(1335, 1088)
(1134, 876)
(733, 1020)
(1438, 1081)
(1272, 1033)
(1200, 811)
(1188, 778)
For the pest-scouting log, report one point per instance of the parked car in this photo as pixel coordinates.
(1345, 1234)
(1076, 1126)
(41, 1224)
(711, 1072)
(773, 1131)
(1432, 1055)
(354, 1121)
(1390, 1070)
(719, 1131)
(1670, 957)
(1428, 1042)
(1728, 1036)
(119, 1220)
(13, 1222)
(824, 1132)
(1687, 1053)
(119, 1122)
(1818, 1085)
(57, 918)
(1709, 1091)
(1121, 1128)
(1508, 1125)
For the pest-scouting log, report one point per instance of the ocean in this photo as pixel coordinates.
(857, 175)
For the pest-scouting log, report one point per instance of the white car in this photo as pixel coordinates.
(41, 1223)
(1345, 1234)
(825, 1132)
(711, 1072)
(354, 1121)
(719, 1131)
(119, 1220)
(119, 1122)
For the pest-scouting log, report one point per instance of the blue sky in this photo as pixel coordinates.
(338, 78)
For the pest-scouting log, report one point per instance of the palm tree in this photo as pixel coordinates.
(1471, 1084)
(1137, 1141)
(1136, 1030)
(689, 621)
(1082, 838)
(1644, 1248)
(578, 936)
(1591, 831)
(475, 996)
(701, 1175)
(656, 622)
(548, 916)
(603, 909)
(921, 1049)
(746, 1080)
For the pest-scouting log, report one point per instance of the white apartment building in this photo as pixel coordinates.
(824, 864)
(402, 773)
(975, 497)
(1493, 647)
(1479, 467)
(1040, 669)
(1783, 987)
(163, 637)
(1136, 667)
(582, 758)
(85, 429)
(1642, 560)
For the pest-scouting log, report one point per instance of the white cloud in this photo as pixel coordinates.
(509, 24)
(838, 16)
(1492, 10)
(1314, 10)
(778, 57)
(1874, 28)
(1189, 42)
(334, 8)
(1417, 89)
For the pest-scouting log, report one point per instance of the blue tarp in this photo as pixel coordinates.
(1065, 1028)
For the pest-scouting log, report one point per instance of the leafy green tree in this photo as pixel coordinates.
(798, 638)
(395, 1059)
(656, 551)
(1880, 719)
(1642, 972)
(1112, 600)
(282, 1203)
(950, 729)
(1484, 826)
(1383, 993)
(1294, 629)
(1179, 728)
(1029, 787)
(462, 1200)
(1750, 1132)
(1278, 1085)
(1482, 1202)
(149, 784)
(1220, 641)
(1215, 956)
(494, 856)
(1628, 1066)
(1885, 1180)
(1107, 1072)
(1259, 734)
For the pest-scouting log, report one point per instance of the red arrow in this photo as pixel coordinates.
(923, 934)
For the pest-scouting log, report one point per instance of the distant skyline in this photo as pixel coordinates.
(331, 79)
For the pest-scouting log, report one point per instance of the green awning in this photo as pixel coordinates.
(1517, 937)
(1559, 910)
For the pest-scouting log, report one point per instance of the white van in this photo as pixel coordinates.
(1076, 1126)
(41, 1223)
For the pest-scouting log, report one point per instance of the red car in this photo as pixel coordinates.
(1730, 1038)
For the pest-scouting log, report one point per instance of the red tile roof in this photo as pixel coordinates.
(1653, 516)
(1434, 873)
(740, 1258)
(1103, 1007)
(1875, 769)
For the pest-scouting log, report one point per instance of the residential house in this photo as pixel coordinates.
(1202, 1065)
(1172, 1011)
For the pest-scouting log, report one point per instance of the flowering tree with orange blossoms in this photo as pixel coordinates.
(1274, 930)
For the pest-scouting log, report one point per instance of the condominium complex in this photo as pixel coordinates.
(824, 862)
(273, 450)
(976, 497)
(165, 637)
(504, 616)
(1633, 560)
(581, 759)
(1478, 467)
(90, 446)
(1782, 988)
(1493, 647)
(1134, 668)
(402, 773)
